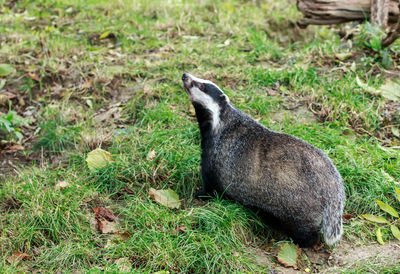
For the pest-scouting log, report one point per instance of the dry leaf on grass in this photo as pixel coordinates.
(124, 265)
(33, 76)
(18, 256)
(151, 155)
(107, 227)
(98, 158)
(61, 185)
(287, 255)
(106, 220)
(165, 197)
(104, 213)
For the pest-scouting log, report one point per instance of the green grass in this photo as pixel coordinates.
(249, 48)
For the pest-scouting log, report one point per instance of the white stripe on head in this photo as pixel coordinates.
(194, 78)
(196, 95)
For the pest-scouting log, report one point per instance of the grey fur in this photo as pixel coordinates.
(286, 180)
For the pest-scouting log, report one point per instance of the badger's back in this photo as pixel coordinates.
(279, 175)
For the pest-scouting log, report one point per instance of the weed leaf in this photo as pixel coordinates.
(395, 231)
(6, 69)
(375, 219)
(387, 208)
(167, 198)
(379, 236)
(287, 255)
(98, 158)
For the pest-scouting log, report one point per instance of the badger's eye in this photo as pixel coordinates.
(201, 86)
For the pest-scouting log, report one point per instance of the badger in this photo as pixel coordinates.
(291, 184)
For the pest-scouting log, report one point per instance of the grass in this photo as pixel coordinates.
(123, 93)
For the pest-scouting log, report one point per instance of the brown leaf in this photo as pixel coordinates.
(101, 212)
(106, 227)
(347, 216)
(33, 76)
(18, 256)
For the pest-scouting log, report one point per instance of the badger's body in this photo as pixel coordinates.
(287, 181)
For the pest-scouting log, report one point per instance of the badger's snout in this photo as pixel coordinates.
(185, 76)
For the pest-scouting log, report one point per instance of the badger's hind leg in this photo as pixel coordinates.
(304, 236)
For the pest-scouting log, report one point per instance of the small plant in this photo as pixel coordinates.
(9, 124)
(371, 36)
(392, 223)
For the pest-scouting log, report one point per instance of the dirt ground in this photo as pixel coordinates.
(345, 257)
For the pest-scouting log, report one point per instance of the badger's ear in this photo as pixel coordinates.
(224, 99)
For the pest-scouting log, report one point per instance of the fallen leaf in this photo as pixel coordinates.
(347, 216)
(98, 158)
(61, 185)
(167, 197)
(397, 193)
(395, 231)
(387, 208)
(6, 69)
(106, 227)
(101, 212)
(33, 76)
(379, 236)
(287, 255)
(18, 256)
(390, 89)
(375, 219)
(124, 265)
(161, 272)
(151, 155)
(106, 220)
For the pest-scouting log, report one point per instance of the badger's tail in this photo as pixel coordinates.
(332, 227)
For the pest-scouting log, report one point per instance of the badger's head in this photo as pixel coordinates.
(208, 100)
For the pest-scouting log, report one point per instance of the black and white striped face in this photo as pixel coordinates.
(206, 94)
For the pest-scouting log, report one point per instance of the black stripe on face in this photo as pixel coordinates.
(213, 91)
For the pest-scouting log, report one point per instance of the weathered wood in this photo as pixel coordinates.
(380, 12)
(327, 12)
(393, 34)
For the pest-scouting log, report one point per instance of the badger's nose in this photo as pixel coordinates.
(185, 76)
